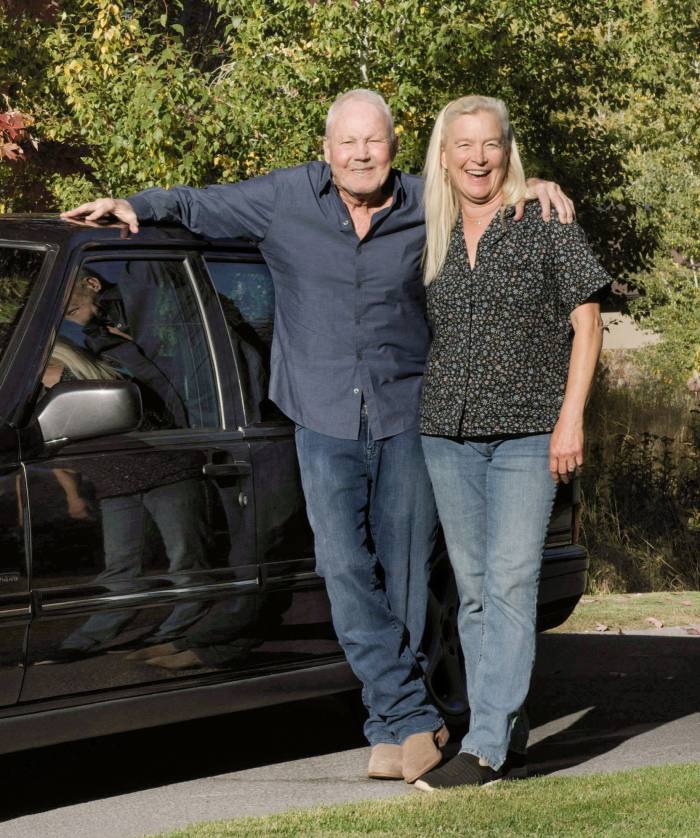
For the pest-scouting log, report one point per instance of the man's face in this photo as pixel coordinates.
(82, 306)
(359, 150)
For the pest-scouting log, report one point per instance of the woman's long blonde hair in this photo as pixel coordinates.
(441, 202)
(82, 364)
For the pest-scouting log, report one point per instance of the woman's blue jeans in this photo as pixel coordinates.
(373, 515)
(494, 498)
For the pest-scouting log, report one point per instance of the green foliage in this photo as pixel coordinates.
(18, 270)
(671, 306)
(13, 292)
(604, 98)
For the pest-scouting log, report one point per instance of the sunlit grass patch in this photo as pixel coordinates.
(648, 802)
(634, 611)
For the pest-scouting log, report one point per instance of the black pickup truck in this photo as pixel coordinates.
(156, 563)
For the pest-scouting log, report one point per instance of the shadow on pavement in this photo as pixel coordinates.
(63, 775)
(590, 693)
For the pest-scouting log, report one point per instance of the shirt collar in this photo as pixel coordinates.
(326, 182)
(494, 231)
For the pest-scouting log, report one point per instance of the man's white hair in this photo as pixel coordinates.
(360, 94)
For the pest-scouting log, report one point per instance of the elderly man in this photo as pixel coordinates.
(343, 241)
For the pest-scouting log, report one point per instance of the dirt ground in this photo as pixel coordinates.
(618, 613)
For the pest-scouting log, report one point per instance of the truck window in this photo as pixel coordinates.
(19, 268)
(247, 298)
(142, 317)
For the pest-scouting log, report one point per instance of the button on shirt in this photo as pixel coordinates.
(499, 359)
(349, 313)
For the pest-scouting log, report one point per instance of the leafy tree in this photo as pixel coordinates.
(14, 134)
(604, 97)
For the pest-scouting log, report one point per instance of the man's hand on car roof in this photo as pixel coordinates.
(102, 207)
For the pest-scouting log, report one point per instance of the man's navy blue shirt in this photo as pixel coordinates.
(349, 313)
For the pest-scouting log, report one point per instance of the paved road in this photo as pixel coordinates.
(598, 703)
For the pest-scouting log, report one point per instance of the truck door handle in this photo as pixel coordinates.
(237, 468)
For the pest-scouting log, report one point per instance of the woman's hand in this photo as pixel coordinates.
(118, 332)
(566, 449)
(78, 508)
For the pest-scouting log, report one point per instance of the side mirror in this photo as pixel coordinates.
(76, 410)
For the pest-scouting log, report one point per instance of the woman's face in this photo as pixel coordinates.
(475, 157)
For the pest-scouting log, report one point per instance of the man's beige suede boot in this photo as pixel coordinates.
(421, 752)
(385, 762)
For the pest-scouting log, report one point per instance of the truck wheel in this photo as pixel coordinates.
(445, 677)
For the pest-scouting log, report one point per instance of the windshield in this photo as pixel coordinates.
(19, 268)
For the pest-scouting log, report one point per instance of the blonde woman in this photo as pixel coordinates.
(69, 362)
(516, 338)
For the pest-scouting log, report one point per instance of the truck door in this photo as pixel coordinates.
(20, 267)
(143, 545)
(298, 626)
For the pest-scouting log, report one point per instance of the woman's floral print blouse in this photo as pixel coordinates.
(501, 342)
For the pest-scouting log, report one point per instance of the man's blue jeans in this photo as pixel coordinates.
(494, 497)
(373, 515)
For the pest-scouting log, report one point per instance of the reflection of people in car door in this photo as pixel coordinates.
(224, 637)
(168, 488)
(99, 307)
(68, 362)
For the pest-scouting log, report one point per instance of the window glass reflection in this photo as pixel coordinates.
(247, 298)
(142, 317)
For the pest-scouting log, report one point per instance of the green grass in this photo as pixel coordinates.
(647, 802)
(632, 611)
